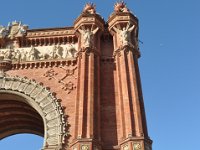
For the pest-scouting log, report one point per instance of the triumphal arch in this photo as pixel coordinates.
(78, 87)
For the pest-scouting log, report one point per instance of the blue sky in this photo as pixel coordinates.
(169, 66)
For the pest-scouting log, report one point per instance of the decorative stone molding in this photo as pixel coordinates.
(137, 146)
(61, 32)
(39, 53)
(47, 105)
(126, 147)
(84, 147)
(43, 64)
(88, 51)
(126, 49)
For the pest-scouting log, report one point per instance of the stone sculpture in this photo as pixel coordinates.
(33, 54)
(87, 36)
(89, 8)
(14, 29)
(23, 55)
(121, 7)
(69, 52)
(38, 53)
(125, 34)
(3, 32)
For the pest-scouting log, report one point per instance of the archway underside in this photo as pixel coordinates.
(28, 107)
(18, 117)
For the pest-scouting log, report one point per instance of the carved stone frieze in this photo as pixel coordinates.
(44, 102)
(39, 53)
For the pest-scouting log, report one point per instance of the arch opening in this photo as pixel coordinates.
(17, 116)
(22, 141)
(34, 109)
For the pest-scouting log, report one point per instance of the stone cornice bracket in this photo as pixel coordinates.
(88, 27)
(123, 26)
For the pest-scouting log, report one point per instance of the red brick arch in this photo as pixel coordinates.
(39, 101)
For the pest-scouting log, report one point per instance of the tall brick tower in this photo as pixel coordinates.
(78, 87)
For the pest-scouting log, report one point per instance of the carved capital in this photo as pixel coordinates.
(88, 51)
(126, 49)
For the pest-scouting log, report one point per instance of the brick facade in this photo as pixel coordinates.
(99, 87)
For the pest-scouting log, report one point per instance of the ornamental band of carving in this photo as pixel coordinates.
(44, 100)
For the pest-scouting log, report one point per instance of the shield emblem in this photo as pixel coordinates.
(14, 30)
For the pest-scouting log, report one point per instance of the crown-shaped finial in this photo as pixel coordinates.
(90, 8)
(120, 6)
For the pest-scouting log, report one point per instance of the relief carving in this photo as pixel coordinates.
(87, 36)
(137, 146)
(32, 53)
(85, 147)
(14, 29)
(3, 32)
(66, 85)
(125, 34)
(126, 147)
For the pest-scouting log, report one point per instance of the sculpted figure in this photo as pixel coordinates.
(52, 54)
(56, 52)
(9, 54)
(125, 34)
(2, 54)
(16, 29)
(70, 52)
(3, 32)
(87, 36)
(33, 54)
(23, 55)
(17, 56)
(22, 29)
